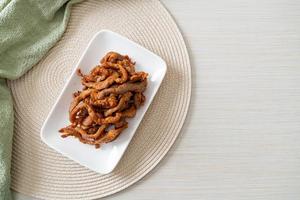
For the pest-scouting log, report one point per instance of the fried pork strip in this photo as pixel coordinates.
(121, 89)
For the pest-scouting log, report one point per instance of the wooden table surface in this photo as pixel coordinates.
(241, 139)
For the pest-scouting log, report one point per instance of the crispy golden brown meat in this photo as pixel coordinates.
(99, 132)
(123, 88)
(120, 123)
(120, 69)
(112, 92)
(102, 84)
(112, 134)
(84, 94)
(129, 113)
(112, 57)
(138, 76)
(139, 99)
(87, 122)
(108, 102)
(123, 100)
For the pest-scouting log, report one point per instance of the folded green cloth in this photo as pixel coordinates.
(28, 29)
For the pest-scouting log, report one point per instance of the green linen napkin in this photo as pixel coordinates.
(28, 29)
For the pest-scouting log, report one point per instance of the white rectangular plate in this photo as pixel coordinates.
(105, 159)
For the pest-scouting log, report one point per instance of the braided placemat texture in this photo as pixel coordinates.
(39, 171)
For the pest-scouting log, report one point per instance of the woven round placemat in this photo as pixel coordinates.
(39, 171)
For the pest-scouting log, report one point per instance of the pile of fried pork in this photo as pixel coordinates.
(112, 92)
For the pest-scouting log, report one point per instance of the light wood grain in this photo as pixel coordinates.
(241, 139)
